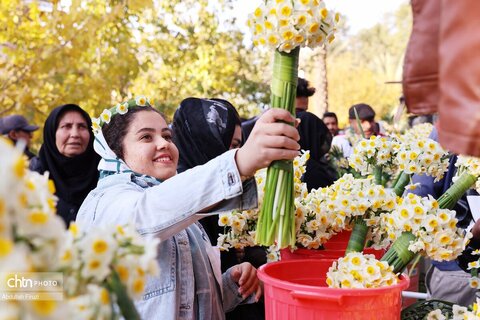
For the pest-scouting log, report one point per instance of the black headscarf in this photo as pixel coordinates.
(315, 136)
(203, 129)
(74, 177)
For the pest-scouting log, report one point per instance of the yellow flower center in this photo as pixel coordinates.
(100, 246)
(44, 307)
(73, 229)
(138, 286)
(104, 297)
(67, 256)
(286, 11)
(356, 261)
(94, 264)
(2, 207)
(324, 13)
(313, 28)
(6, 247)
(287, 35)
(38, 217)
(418, 210)
(19, 167)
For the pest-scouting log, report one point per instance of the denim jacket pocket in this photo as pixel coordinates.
(165, 282)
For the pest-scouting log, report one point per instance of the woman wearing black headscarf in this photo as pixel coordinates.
(314, 136)
(67, 154)
(202, 130)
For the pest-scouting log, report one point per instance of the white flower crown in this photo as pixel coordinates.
(121, 108)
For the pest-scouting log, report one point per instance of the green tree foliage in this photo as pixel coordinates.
(52, 55)
(190, 53)
(360, 66)
(98, 52)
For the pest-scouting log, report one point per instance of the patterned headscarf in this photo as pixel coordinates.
(202, 130)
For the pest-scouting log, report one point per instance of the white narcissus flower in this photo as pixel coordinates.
(141, 101)
(95, 268)
(121, 108)
(106, 116)
(96, 125)
(474, 282)
(98, 244)
(436, 315)
(94, 304)
(46, 308)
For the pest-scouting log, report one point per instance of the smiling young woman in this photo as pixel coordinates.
(139, 183)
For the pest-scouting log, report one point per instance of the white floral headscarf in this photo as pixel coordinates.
(110, 163)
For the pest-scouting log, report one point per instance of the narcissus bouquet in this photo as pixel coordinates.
(400, 157)
(357, 270)
(422, 156)
(102, 271)
(240, 227)
(419, 225)
(116, 261)
(314, 225)
(359, 203)
(419, 131)
(375, 156)
(285, 26)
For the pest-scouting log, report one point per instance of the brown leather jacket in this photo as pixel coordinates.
(442, 70)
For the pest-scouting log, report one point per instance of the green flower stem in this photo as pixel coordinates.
(401, 183)
(456, 191)
(125, 304)
(277, 213)
(356, 243)
(359, 123)
(288, 220)
(398, 256)
(265, 219)
(378, 174)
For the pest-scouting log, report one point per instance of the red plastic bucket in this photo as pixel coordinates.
(338, 241)
(296, 289)
(302, 253)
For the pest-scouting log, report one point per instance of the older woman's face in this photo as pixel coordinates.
(72, 135)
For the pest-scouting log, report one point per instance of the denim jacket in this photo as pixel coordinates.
(187, 287)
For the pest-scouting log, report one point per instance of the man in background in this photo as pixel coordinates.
(331, 121)
(17, 128)
(366, 116)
